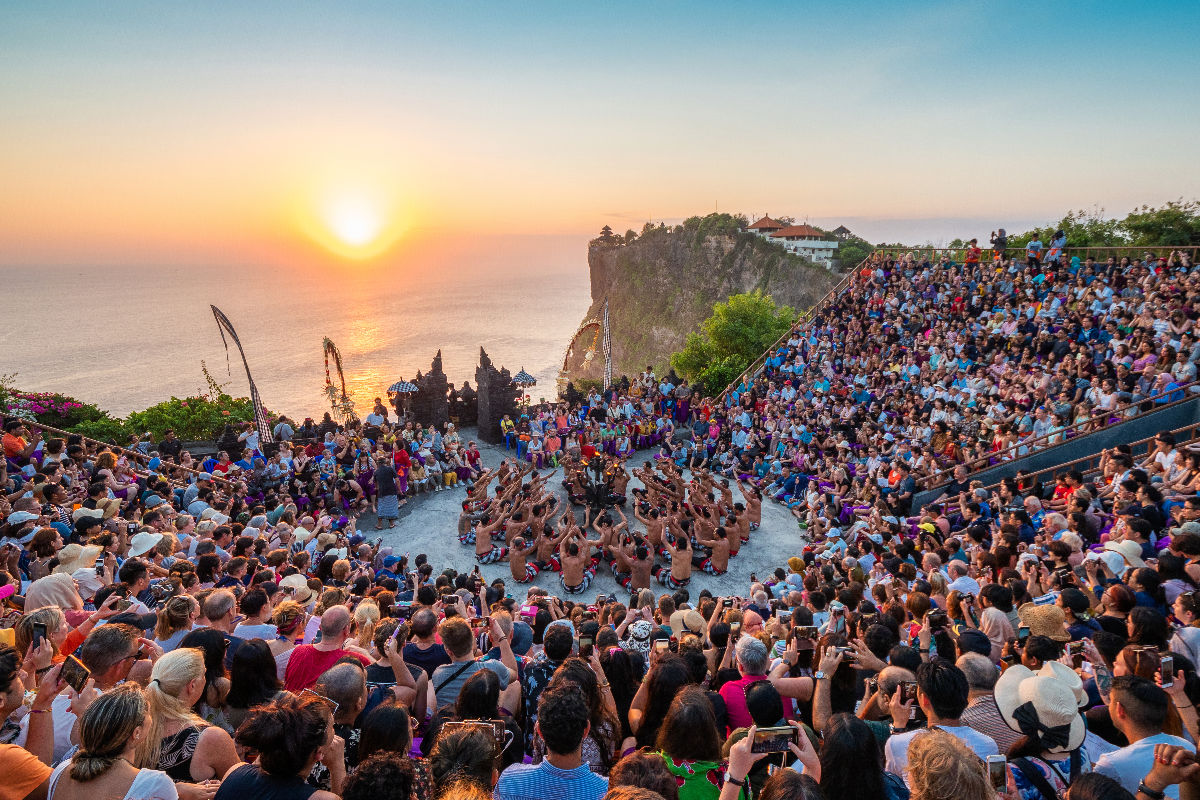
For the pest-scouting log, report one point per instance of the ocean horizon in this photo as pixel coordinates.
(126, 338)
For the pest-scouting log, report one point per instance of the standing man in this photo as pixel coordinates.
(999, 244)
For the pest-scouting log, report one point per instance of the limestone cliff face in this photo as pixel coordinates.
(663, 284)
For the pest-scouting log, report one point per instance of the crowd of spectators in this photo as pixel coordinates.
(922, 365)
(229, 633)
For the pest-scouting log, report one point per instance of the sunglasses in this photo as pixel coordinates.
(310, 693)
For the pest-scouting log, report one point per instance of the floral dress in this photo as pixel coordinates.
(1052, 770)
(698, 780)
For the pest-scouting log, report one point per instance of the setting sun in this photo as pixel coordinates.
(356, 223)
(354, 220)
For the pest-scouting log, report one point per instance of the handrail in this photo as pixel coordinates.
(989, 253)
(124, 450)
(1192, 428)
(1119, 410)
(800, 318)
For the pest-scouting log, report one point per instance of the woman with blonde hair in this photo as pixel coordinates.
(55, 623)
(941, 767)
(366, 617)
(288, 619)
(175, 620)
(111, 731)
(177, 741)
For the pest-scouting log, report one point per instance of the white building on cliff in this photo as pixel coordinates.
(802, 240)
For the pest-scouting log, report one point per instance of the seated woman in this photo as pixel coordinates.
(479, 698)
(111, 731)
(290, 736)
(688, 741)
(177, 741)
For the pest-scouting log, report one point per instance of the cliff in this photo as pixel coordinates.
(662, 284)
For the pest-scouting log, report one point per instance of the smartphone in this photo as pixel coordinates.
(872, 685)
(133, 528)
(908, 692)
(123, 604)
(937, 618)
(997, 769)
(99, 570)
(727, 602)
(773, 740)
(662, 645)
(39, 633)
(1166, 667)
(478, 623)
(585, 646)
(807, 631)
(848, 654)
(449, 598)
(1022, 634)
(785, 615)
(1074, 648)
(74, 673)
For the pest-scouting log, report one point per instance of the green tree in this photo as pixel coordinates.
(1177, 224)
(852, 250)
(738, 331)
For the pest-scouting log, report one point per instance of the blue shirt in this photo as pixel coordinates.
(544, 781)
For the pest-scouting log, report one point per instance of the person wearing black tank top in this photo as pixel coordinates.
(290, 736)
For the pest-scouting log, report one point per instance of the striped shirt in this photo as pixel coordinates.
(545, 781)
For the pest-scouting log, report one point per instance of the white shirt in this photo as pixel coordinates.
(895, 751)
(964, 584)
(1129, 765)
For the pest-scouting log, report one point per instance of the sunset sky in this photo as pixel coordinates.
(144, 131)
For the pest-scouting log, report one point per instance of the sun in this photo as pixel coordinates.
(354, 223)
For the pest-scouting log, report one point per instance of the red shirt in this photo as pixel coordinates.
(734, 695)
(307, 664)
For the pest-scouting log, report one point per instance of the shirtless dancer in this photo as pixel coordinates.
(679, 573)
(578, 569)
(522, 570)
(753, 498)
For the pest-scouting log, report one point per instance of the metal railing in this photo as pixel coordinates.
(801, 318)
(958, 254)
(1088, 465)
(943, 476)
(135, 456)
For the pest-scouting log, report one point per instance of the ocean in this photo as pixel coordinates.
(125, 338)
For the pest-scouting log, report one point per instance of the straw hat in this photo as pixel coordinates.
(77, 556)
(1130, 551)
(1040, 705)
(1048, 621)
(301, 592)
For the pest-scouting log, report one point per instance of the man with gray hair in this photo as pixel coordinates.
(346, 685)
(982, 713)
(960, 579)
(310, 661)
(752, 663)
